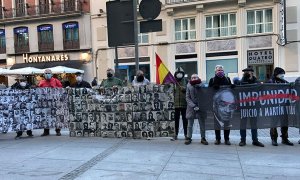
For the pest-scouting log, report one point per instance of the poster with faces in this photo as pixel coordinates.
(30, 109)
(132, 112)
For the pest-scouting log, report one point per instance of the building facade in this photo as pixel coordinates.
(45, 33)
(197, 35)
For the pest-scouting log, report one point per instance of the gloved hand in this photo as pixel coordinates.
(196, 108)
(216, 87)
(232, 86)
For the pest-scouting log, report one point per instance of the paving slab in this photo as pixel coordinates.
(116, 175)
(173, 175)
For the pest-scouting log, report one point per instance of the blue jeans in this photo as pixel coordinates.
(253, 125)
(201, 116)
(253, 133)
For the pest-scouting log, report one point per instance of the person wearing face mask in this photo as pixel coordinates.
(193, 110)
(111, 80)
(278, 78)
(80, 83)
(140, 79)
(220, 80)
(50, 82)
(180, 101)
(249, 78)
(22, 84)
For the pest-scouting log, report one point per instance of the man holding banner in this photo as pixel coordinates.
(50, 82)
(193, 111)
(219, 80)
(249, 78)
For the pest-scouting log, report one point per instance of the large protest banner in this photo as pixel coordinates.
(138, 112)
(251, 106)
(145, 111)
(33, 109)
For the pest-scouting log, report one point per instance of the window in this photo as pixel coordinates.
(69, 5)
(44, 6)
(71, 35)
(189, 67)
(259, 21)
(143, 38)
(20, 8)
(220, 25)
(2, 41)
(21, 37)
(230, 67)
(185, 29)
(45, 37)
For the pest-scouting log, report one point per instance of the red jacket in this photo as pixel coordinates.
(53, 83)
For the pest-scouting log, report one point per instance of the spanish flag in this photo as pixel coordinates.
(163, 75)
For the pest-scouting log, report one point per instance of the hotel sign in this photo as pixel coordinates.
(37, 59)
(265, 56)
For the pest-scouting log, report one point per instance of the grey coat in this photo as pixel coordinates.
(192, 99)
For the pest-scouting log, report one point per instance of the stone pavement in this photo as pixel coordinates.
(103, 158)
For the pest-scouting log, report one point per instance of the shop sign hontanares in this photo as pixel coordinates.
(49, 58)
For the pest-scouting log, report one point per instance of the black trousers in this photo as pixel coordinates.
(181, 111)
(274, 133)
(19, 133)
(226, 134)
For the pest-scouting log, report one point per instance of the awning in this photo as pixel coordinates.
(71, 64)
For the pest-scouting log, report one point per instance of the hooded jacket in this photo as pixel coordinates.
(180, 90)
(275, 79)
(192, 99)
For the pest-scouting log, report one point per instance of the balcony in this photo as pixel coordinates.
(173, 2)
(30, 12)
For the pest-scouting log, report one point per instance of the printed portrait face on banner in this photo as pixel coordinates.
(224, 105)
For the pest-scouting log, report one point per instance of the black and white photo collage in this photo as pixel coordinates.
(84, 113)
(33, 109)
(135, 112)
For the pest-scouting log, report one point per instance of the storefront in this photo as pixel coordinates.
(262, 61)
(78, 60)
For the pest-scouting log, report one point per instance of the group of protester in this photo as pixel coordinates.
(186, 100)
(51, 82)
(187, 104)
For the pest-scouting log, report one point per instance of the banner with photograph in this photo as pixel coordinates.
(251, 106)
(33, 109)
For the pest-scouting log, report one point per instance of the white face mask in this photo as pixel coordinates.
(179, 75)
(23, 84)
(280, 76)
(79, 78)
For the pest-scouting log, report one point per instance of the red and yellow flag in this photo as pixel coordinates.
(163, 75)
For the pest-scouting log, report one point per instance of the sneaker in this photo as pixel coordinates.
(274, 142)
(188, 141)
(257, 143)
(217, 142)
(287, 142)
(30, 135)
(242, 143)
(17, 137)
(227, 142)
(203, 141)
